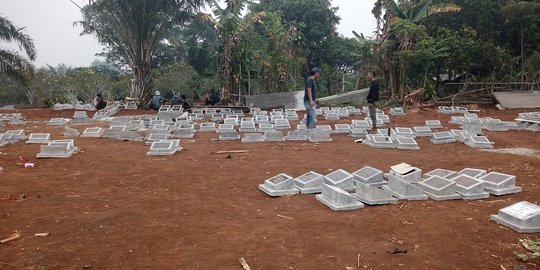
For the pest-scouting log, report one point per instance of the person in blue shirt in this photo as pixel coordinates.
(310, 96)
(156, 101)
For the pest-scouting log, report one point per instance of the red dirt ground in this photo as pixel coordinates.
(112, 207)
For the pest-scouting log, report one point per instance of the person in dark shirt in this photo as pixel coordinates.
(99, 103)
(185, 102)
(175, 101)
(373, 98)
(310, 96)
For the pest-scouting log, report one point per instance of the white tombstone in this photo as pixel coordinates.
(338, 199)
(39, 138)
(523, 217)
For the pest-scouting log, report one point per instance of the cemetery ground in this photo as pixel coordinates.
(110, 206)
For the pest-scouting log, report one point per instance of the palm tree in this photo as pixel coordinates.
(402, 26)
(229, 24)
(11, 63)
(133, 28)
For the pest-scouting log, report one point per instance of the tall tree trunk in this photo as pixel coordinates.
(522, 58)
(143, 84)
(226, 75)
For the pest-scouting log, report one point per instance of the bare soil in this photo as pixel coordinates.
(112, 207)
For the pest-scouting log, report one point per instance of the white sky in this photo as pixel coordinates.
(50, 24)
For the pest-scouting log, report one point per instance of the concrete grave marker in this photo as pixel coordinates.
(165, 108)
(358, 133)
(343, 112)
(342, 128)
(480, 142)
(500, 183)
(129, 135)
(379, 141)
(476, 173)
(156, 122)
(434, 124)
(442, 137)
(423, 131)
(448, 174)
(56, 122)
(208, 126)
(176, 108)
(324, 128)
(406, 172)
(404, 132)
(397, 111)
(469, 187)
(523, 217)
(18, 134)
(229, 135)
(337, 199)
(273, 136)
(282, 124)
(373, 195)
(130, 105)
(184, 133)
(332, 116)
(384, 118)
(159, 129)
(316, 135)
(340, 178)
(246, 126)
(231, 121)
(361, 124)
(403, 190)
(275, 117)
(265, 127)
(309, 183)
(39, 138)
(71, 132)
(439, 189)
(225, 128)
(279, 185)
(217, 117)
(113, 132)
(406, 143)
(162, 148)
(369, 176)
(155, 137)
(297, 135)
(57, 149)
(94, 132)
(253, 138)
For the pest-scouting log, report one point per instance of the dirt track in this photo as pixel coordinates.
(112, 207)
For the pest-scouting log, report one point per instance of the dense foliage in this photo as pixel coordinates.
(268, 46)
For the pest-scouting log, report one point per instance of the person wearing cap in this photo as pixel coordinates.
(310, 96)
(156, 101)
(373, 98)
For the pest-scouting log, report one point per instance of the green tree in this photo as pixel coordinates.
(11, 63)
(230, 24)
(402, 28)
(133, 29)
(316, 22)
(524, 14)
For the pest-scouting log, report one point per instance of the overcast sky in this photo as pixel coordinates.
(50, 24)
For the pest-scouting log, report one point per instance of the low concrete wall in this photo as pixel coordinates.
(286, 100)
(356, 97)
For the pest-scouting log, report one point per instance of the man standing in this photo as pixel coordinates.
(373, 98)
(310, 95)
